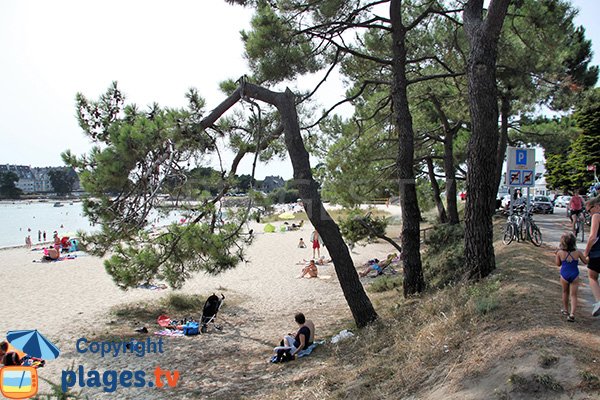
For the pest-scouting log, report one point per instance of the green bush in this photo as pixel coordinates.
(443, 260)
(353, 230)
(484, 296)
(282, 195)
(384, 283)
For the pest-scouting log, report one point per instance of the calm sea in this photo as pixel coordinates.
(16, 219)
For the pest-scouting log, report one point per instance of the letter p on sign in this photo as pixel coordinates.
(521, 157)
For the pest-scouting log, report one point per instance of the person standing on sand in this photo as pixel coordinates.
(44, 236)
(592, 250)
(39, 236)
(28, 241)
(316, 240)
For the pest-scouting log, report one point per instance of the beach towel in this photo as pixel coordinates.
(160, 286)
(170, 332)
(309, 349)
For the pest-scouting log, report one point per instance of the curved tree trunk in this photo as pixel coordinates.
(436, 191)
(449, 169)
(358, 301)
(414, 281)
(483, 37)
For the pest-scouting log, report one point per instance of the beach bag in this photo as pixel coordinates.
(190, 328)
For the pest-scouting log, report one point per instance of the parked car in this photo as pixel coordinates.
(562, 201)
(542, 204)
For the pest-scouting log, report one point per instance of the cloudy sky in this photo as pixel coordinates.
(156, 50)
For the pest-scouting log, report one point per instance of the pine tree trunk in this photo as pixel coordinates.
(414, 281)
(481, 160)
(450, 172)
(502, 143)
(436, 191)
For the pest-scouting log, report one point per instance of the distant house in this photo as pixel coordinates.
(36, 180)
(26, 180)
(271, 183)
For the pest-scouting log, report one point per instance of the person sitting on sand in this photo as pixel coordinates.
(303, 339)
(301, 244)
(310, 269)
(11, 358)
(50, 254)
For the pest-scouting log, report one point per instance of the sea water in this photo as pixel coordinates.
(19, 219)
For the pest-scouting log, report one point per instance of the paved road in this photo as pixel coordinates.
(552, 227)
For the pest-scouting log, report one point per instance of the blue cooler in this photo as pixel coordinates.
(190, 328)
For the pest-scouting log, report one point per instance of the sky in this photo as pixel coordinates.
(156, 50)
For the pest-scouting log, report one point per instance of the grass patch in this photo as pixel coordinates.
(384, 283)
(589, 381)
(56, 392)
(518, 381)
(548, 382)
(484, 296)
(443, 260)
(547, 360)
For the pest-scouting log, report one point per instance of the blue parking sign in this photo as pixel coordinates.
(521, 156)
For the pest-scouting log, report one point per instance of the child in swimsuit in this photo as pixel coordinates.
(567, 258)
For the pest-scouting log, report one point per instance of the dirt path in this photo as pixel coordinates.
(553, 226)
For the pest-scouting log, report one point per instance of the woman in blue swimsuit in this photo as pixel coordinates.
(567, 258)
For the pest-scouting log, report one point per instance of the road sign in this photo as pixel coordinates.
(515, 178)
(527, 178)
(517, 162)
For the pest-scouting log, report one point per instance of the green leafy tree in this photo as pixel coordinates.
(62, 180)
(8, 189)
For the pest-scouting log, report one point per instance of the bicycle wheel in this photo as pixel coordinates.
(535, 235)
(523, 231)
(509, 233)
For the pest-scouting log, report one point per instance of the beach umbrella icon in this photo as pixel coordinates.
(33, 343)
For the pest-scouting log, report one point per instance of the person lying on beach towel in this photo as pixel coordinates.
(378, 266)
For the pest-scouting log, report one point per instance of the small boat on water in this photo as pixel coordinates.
(58, 204)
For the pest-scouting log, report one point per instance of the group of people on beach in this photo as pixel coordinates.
(568, 258)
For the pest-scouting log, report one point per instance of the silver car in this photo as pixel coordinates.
(562, 201)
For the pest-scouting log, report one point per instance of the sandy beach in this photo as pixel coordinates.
(70, 299)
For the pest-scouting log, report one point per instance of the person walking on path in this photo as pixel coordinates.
(567, 258)
(592, 251)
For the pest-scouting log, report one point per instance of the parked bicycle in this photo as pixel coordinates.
(529, 230)
(520, 226)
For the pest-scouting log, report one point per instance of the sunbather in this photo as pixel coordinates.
(376, 265)
(310, 269)
(50, 254)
